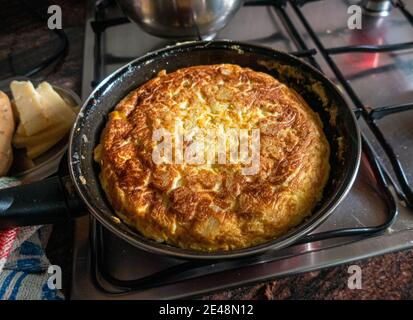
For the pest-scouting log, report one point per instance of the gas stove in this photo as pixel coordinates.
(372, 66)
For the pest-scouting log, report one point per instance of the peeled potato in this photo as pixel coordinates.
(45, 117)
(28, 107)
(20, 130)
(38, 149)
(6, 133)
(55, 108)
(21, 140)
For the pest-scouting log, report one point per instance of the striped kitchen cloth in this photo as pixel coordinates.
(23, 263)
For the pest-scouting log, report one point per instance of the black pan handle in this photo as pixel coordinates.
(42, 202)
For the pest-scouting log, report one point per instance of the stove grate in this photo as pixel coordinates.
(185, 271)
(370, 116)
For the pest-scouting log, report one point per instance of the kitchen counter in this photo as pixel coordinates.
(385, 277)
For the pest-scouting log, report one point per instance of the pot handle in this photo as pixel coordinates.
(47, 201)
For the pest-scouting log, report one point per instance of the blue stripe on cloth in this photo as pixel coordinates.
(17, 286)
(30, 249)
(50, 294)
(6, 283)
(30, 265)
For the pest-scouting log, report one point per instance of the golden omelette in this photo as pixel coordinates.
(213, 206)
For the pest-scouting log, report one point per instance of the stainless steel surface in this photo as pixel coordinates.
(379, 8)
(379, 78)
(181, 19)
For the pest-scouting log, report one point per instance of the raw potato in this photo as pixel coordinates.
(45, 117)
(20, 130)
(37, 150)
(21, 140)
(6, 133)
(55, 108)
(27, 101)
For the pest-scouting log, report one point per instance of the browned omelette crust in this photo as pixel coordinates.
(214, 207)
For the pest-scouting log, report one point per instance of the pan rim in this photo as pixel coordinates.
(314, 220)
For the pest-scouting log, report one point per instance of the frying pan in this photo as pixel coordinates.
(63, 196)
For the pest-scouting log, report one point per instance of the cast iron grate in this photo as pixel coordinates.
(370, 116)
(186, 270)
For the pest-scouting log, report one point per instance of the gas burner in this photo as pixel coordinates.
(377, 215)
(377, 8)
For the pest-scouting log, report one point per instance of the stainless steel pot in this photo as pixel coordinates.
(181, 19)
